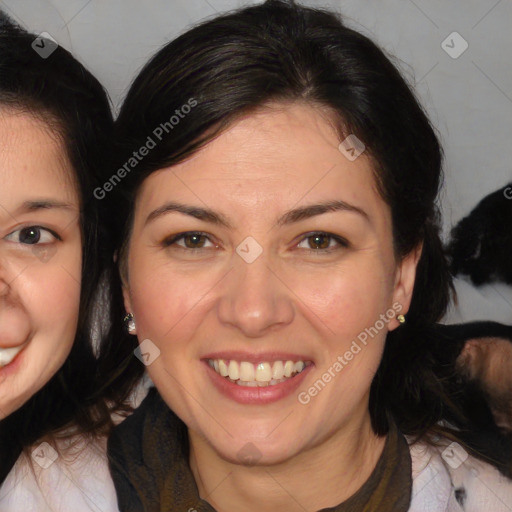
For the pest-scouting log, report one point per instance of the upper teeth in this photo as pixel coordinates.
(8, 354)
(263, 373)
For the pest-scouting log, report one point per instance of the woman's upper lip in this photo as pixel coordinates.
(255, 358)
(7, 346)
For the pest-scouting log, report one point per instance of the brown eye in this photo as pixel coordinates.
(319, 241)
(190, 240)
(194, 240)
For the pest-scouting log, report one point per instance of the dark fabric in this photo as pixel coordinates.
(148, 456)
(10, 446)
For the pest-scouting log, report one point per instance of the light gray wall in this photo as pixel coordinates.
(469, 98)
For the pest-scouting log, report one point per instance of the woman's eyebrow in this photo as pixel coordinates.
(194, 211)
(43, 204)
(308, 211)
(289, 217)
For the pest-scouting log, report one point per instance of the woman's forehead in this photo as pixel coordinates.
(34, 154)
(292, 151)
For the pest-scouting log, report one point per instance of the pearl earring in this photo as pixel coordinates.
(129, 323)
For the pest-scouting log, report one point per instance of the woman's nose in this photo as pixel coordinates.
(9, 273)
(4, 277)
(254, 299)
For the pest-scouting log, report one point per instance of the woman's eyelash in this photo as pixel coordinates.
(32, 235)
(200, 237)
(324, 235)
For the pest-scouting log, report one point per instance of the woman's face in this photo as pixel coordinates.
(40, 258)
(266, 256)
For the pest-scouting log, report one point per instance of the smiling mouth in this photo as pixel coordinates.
(8, 354)
(261, 374)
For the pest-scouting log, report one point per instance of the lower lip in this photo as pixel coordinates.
(13, 366)
(256, 395)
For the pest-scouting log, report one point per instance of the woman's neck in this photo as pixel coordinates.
(320, 477)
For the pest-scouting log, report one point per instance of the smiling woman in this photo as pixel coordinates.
(283, 240)
(41, 256)
(55, 123)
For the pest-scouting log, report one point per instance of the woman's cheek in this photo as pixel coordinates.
(161, 301)
(54, 288)
(50, 302)
(338, 298)
(55, 296)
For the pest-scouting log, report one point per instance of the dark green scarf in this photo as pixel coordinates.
(148, 455)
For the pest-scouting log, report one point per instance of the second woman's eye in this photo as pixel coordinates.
(32, 235)
(190, 240)
(322, 242)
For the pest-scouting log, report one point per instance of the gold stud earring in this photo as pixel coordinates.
(401, 319)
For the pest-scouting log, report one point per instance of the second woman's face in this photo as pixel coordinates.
(40, 258)
(263, 282)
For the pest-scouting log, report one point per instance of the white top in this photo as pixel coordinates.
(77, 480)
(445, 479)
(440, 475)
(80, 483)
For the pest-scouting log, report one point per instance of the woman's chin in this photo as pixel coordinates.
(256, 451)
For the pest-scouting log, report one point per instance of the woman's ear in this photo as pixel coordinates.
(404, 282)
(126, 289)
(127, 298)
